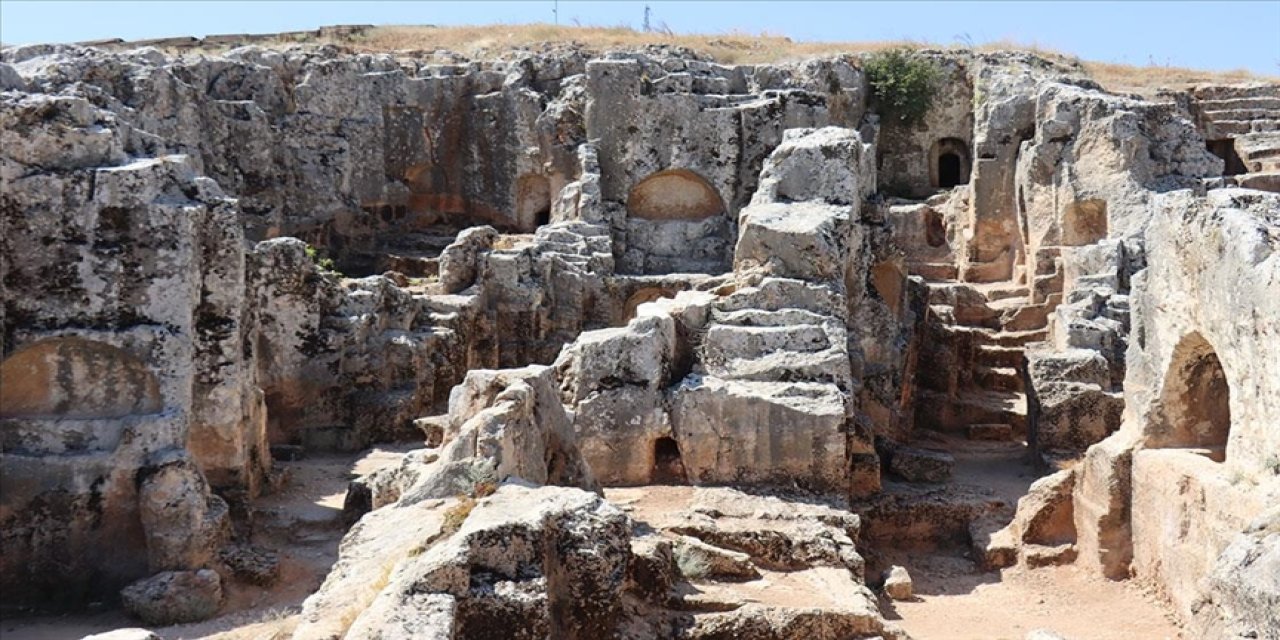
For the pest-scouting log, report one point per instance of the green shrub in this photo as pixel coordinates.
(903, 84)
(325, 263)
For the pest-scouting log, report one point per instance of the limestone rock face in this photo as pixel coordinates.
(804, 240)
(718, 563)
(544, 562)
(1195, 397)
(184, 523)
(502, 425)
(174, 597)
(459, 262)
(702, 172)
(125, 341)
(505, 423)
(1243, 593)
(124, 634)
(774, 534)
(852, 618)
(897, 583)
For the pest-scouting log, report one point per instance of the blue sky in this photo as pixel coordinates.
(1208, 35)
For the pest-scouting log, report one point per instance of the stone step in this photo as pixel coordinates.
(992, 355)
(1228, 92)
(1030, 317)
(1049, 284)
(1017, 338)
(1242, 127)
(766, 318)
(782, 366)
(934, 270)
(1242, 114)
(1262, 154)
(982, 272)
(1009, 305)
(1254, 102)
(968, 305)
(1262, 181)
(998, 378)
(942, 413)
(726, 341)
(1002, 290)
(992, 431)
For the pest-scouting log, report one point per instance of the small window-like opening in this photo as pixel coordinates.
(668, 467)
(543, 217)
(948, 170)
(1226, 149)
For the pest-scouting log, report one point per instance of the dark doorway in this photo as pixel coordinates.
(543, 217)
(948, 170)
(1226, 149)
(668, 467)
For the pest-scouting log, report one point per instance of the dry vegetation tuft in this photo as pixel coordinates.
(480, 41)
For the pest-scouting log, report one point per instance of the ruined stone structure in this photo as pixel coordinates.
(574, 272)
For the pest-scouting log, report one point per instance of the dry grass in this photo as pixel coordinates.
(457, 514)
(480, 41)
(1122, 78)
(488, 40)
(491, 41)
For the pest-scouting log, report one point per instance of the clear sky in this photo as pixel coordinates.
(1209, 35)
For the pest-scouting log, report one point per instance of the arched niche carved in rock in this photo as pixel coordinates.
(674, 194)
(1195, 403)
(76, 378)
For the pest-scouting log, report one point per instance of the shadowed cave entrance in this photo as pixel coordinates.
(948, 170)
(1226, 149)
(950, 165)
(668, 466)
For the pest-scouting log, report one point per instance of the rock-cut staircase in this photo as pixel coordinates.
(971, 369)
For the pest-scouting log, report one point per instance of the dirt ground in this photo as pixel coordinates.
(954, 601)
(302, 522)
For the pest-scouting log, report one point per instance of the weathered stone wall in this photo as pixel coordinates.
(760, 381)
(710, 127)
(1086, 183)
(1194, 460)
(906, 154)
(343, 149)
(1094, 164)
(126, 352)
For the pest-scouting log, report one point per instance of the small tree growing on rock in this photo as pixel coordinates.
(903, 84)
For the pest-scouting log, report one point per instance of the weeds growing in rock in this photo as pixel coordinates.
(903, 83)
(325, 263)
(457, 514)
